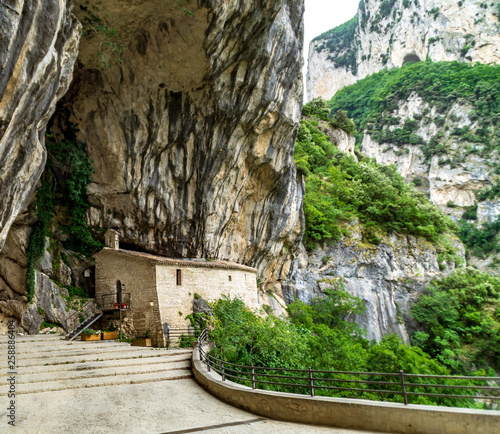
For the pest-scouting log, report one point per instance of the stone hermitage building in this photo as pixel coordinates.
(162, 289)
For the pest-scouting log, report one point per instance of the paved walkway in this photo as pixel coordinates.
(108, 387)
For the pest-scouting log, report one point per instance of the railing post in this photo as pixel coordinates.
(311, 381)
(223, 371)
(403, 385)
(253, 377)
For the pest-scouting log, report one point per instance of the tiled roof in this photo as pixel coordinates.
(201, 263)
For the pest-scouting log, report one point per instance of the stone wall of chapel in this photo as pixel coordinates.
(210, 283)
(138, 276)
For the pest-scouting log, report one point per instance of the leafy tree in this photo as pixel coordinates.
(460, 316)
(340, 120)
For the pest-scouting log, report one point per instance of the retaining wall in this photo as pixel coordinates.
(348, 413)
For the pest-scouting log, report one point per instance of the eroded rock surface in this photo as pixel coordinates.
(38, 48)
(192, 135)
(388, 278)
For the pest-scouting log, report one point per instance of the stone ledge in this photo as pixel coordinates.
(347, 413)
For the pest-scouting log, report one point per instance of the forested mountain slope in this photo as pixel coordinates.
(439, 123)
(391, 33)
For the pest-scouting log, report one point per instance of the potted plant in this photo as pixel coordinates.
(91, 335)
(110, 334)
(143, 340)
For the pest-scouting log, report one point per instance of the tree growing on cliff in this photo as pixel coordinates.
(460, 315)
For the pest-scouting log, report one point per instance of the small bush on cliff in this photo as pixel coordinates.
(339, 189)
(460, 315)
(341, 121)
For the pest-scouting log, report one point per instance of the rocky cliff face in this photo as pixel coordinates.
(190, 120)
(388, 278)
(192, 133)
(389, 33)
(38, 48)
(450, 178)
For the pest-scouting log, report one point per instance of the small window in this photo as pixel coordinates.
(230, 278)
(179, 277)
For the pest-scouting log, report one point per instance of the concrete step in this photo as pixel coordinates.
(31, 338)
(47, 363)
(131, 363)
(83, 383)
(84, 371)
(75, 350)
(88, 357)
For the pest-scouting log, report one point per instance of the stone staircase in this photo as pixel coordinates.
(50, 363)
(82, 326)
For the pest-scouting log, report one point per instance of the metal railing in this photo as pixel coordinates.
(85, 312)
(309, 381)
(116, 301)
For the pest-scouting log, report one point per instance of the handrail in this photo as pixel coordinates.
(314, 382)
(78, 312)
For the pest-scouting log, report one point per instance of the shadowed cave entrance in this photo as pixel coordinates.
(411, 58)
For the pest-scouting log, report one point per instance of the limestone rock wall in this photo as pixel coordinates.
(451, 179)
(189, 110)
(388, 278)
(389, 33)
(192, 132)
(38, 48)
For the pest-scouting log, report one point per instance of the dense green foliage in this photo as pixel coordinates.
(480, 241)
(44, 208)
(461, 319)
(64, 184)
(74, 169)
(339, 189)
(319, 336)
(371, 101)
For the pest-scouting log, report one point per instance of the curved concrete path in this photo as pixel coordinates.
(108, 387)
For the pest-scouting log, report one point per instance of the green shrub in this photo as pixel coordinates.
(341, 121)
(339, 189)
(319, 336)
(460, 316)
(480, 241)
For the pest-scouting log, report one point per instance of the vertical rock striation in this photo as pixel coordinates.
(38, 47)
(192, 131)
(388, 278)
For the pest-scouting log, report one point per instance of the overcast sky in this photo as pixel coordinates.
(323, 15)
